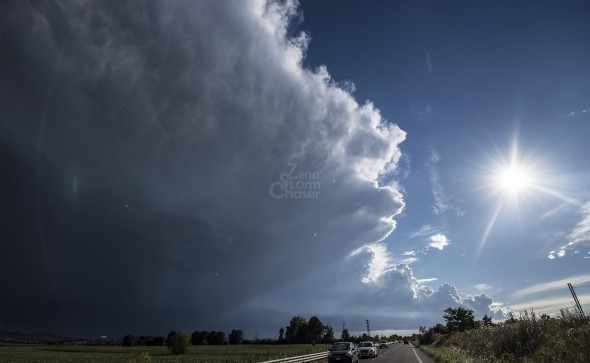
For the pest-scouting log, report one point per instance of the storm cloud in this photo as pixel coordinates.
(172, 165)
(142, 141)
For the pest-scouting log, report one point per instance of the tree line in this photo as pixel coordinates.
(203, 337)
(457, 320)
(130, 340)
(299, 331)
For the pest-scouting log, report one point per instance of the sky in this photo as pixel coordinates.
(199, 165)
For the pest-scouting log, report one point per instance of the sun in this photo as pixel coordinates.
(514, 179)
(514, 182)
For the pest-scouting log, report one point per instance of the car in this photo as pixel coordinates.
(406, 341)
(342, 352)
(383, 344)
(367, 349)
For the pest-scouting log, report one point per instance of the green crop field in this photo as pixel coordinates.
(29, 353)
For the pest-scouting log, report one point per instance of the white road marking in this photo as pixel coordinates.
(416, 354)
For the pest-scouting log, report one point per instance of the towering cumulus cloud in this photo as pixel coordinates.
(173, 160)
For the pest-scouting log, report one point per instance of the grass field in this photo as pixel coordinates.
(216, 354)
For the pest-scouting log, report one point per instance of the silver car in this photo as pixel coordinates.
(367, 350)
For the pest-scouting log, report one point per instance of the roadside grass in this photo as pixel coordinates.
(446, 355)
(29, 353)
(528, 339)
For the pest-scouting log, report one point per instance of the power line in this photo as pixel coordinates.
(548, 306)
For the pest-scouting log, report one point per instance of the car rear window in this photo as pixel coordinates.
(340, 346)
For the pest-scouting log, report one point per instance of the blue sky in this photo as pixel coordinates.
(218, 165)
(472, 84)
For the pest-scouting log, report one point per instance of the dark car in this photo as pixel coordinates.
(343, 352)
(406, 341)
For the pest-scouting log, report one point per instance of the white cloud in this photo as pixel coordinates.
(423, 281)
(440, 200)
(436, 239)
(424, 230)
(409, 253)
(549, 304)
(482, 287)
(439, 241)
(581, 232)
(545, 287)
(395, 299)
(442, 203)
(407, 261)
(579, 236)
(584, 112)
(378, 263)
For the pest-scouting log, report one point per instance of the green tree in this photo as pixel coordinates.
(216, 338)
(345, 335)
(440, 329)
(199, 337)
(459, 319)
(236, 337)
(130, 340)
(177, 343)
(328, 336)
(315, 330)
(297, 330)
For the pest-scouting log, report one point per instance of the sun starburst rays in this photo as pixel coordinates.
(516, 184)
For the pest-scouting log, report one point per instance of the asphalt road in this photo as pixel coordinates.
(399, 353)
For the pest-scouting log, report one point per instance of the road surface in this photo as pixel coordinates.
(399, 353)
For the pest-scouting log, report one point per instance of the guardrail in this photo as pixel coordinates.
(302, 358)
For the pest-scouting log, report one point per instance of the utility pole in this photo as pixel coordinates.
(578, 306)
(368, 329)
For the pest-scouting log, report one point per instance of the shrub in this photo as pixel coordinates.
(531, 338)
(177, 342)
